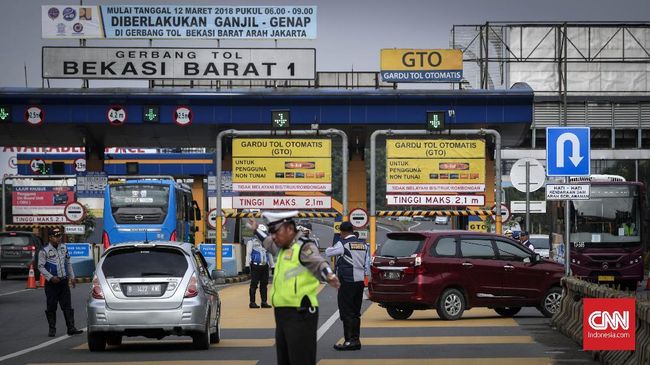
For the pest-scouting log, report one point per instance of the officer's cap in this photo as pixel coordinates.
(55, 231)
(274, 220)
(524, 233)
(346, 227)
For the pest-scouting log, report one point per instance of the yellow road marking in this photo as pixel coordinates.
(235, 311)
(443, 340)
(468, 361)
(178, 362)
(376, 316)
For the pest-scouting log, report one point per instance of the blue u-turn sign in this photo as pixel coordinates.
(568, 152)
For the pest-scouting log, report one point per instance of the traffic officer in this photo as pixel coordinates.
(298, 268)
(258, 261)
(54, 263)
(351, 267)
(524, 239)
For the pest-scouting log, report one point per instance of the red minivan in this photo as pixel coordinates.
(457, 270)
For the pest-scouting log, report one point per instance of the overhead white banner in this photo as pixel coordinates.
(178, 22)
(179, 63)
(282, 202)
(436, 200)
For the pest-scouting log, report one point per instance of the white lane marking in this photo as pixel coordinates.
(37, 347)
(326, 326)
(14, 292)
(416, 224)
(384, 228)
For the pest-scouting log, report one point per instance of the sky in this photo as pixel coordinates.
(351, 33)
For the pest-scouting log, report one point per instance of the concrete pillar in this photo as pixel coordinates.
(94, 155)
(199, 195)
(357, 183)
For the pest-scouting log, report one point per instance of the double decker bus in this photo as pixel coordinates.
(607, 232)
(149, 210)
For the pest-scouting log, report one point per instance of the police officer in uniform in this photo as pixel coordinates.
(351, 267)
(298, 268)
(54, 263)
(257, 262)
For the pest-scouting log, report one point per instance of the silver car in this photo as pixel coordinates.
(153, 289)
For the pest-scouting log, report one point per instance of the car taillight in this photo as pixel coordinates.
(97, 291)
(173, 236)
(374, 269)
(29, 248)
(192, 288)
(105, 240)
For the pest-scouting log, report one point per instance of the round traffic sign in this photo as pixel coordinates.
(80, 164)
(536, 174)
(212, 219)
(35, 164)
(34, 115)
(74, 212)
(358, 217)
(116, 115)
(505, 213)
(183, 115)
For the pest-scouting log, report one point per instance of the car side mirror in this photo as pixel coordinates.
(537, 258)
(219, 276)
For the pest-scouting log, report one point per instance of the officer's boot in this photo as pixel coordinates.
(355, 342)
(69, 322)
(51, 321)
(347, 333)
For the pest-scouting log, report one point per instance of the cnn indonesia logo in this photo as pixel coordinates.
(608, 324)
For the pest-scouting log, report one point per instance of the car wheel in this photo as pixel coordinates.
(451, 305)
(551, 302)
(216, 336)
(399, 312)
(114, 340)
(507, 311)
(96, 341)
(201, 340)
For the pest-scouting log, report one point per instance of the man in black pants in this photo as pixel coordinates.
(351, 267)
(54, 263)
(258, 261)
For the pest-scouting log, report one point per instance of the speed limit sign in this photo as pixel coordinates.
(80, 164)
(36, 164)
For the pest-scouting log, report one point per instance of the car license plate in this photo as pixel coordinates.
(392, 275)
(605, 278)
(144, 290)
(11, 253)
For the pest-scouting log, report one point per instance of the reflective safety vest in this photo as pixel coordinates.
(292, 281)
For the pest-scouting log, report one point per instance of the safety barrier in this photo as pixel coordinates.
(433, 213)
(300, 215)
(569, 319)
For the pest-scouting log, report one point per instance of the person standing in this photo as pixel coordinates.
(298, 268)
(54, 263)
(351, 266)
(258, 261)
(524, 239)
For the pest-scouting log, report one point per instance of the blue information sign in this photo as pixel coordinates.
(208, 250)
(78, 249)
(568, 152)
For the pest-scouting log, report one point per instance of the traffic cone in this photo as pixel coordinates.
(41, 281)
(31, 280)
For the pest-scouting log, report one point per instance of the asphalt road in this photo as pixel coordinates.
(481, 337)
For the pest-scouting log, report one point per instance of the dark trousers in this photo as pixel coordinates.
(295, 336)
(58, 293)
(259, 274)
(349, 298)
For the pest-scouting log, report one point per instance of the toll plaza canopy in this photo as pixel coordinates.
(116, 117)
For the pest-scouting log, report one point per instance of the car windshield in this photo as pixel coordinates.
(7, 240)
(144, 262)
(539, 242)
(610, 218)
(401, 245)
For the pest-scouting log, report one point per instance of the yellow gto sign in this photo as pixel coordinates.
(278, 165)
(421, 65)
(263, 147)
(435, 165)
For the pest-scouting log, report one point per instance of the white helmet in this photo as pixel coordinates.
(262, 228)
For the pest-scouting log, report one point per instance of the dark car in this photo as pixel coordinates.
(452, 271)
(17, 251)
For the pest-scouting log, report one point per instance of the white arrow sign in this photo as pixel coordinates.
(575, 146)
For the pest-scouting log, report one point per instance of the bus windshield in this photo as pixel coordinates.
(148, 200)
(610, 218)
